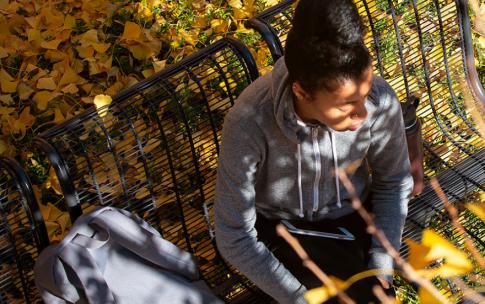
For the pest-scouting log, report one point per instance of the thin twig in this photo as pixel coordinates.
(469, 293)
(381, 295)
(454, 220)
(408, 270)
(308, 263)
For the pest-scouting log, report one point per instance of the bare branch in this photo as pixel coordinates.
(454, 220)
(308, 263)
(408, 270)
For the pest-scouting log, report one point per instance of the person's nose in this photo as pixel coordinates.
(361, 111)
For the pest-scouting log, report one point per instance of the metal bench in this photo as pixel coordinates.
(154, 152)
(22, 234)
(423, 49)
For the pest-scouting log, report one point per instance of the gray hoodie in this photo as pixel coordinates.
(273, 163)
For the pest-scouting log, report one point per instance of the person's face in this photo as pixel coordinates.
(342, 109)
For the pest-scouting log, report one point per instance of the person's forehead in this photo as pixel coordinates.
(349, 89)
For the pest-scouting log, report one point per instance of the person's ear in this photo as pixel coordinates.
(299, 92)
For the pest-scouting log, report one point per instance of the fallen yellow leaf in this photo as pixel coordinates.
(427, 298)
(68, 77)
(3, 53)
(132, 31)
(24, 91)
(102, 102)
(42, 99)
(9, 86)
(58, 118)
(51, 45)
(478, 209)
(101, 47)
(434, 248)
(46, 84)
(235, 3)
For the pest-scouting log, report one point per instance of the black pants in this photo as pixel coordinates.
(339, 258)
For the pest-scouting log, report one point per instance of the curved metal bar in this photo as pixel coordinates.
(91, 170)
(269, 35)
(399, 47)
(448, 76)
(428, 84)
(111, 147)
(468, 56)
(24, 185)
(244, 55)
(196, 79)
(375, 37)
(62, 172)
(140, 149)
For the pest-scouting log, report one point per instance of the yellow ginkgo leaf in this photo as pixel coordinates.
(132, 31)
(7, 99)
(159, 65)
(142, 51)
(47, 83)
(6, 111)
(271, 2)
(42, 99)
(58, 118)
(4, 75)
(69, 76)
(24, 91)
(9, 86)
(3, 146)
(235, 3)
(101, 47)
(426, 297)
(102, 102)
(70, 88)
(24, 122)
(89, 37)
(69, 22)
(56, 221)
(478, 209)
(219, 25)
(481, 42)
(433, 248)
(51, 45)
(417, 252)
(319, 295)
(52, 181)
(3, 53)
(85, 51)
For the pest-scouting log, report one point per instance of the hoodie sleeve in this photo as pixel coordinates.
(235, 215)
(391, 178)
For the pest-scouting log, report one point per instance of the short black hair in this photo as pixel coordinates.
(325, 45)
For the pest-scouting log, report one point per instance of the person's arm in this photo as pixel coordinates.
(392, 182)
(235, 215)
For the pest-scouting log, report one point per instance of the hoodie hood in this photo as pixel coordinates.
(296, 130)
(282, 98)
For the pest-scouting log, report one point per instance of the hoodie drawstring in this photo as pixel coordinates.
(318, 163)
(300, 191)
(335, 163)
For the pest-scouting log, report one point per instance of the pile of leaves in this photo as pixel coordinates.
(57, 55)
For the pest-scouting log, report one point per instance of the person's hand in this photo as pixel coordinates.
(385, 284)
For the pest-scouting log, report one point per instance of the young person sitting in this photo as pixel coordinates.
(284, 143)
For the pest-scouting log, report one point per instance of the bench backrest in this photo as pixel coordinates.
(22, 234)
(154, 151)
(423, 49)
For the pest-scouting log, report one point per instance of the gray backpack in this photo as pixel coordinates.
(111, 256)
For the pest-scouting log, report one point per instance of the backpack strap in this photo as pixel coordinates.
(84, 269)
(141, 239)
